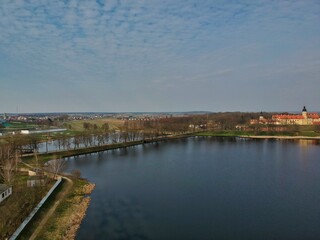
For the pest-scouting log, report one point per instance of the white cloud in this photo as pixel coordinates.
(135, 42)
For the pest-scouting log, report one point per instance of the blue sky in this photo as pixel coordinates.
(159, 55)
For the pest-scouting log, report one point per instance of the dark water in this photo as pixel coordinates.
(204, 188)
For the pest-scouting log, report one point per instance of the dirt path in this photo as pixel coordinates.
(61, 195)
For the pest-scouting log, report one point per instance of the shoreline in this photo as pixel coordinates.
(67, 212)
(285, 137)
(281, 137)
(82, 202)
(79, 212)
(45, 157)
(83, 206)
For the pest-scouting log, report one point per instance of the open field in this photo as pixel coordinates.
(114, 124)
(19, 126)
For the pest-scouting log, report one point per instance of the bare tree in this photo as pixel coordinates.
(8, 164)
(76, 140)
(56, 166)
(100, 140)
(115, 137)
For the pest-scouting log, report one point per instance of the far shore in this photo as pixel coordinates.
(281, 137)
(80, 151)
(248, 135)
(84, 199)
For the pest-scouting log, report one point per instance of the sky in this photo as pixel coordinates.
(159, 55)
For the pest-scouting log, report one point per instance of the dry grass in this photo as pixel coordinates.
(67, 218)
(18, 206)
(114, 124)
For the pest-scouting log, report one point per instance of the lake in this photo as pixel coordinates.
(204, 188)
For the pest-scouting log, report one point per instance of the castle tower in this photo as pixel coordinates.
(305, 116)
(304, 112)
(261, 116)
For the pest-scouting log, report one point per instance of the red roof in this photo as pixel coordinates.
(313, 115)
(285, 116)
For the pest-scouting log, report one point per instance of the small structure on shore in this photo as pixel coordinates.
(36, 181)
(5, 192)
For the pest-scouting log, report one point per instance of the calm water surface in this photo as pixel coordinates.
(204, 188)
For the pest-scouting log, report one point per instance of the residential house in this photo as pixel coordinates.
(5, 192)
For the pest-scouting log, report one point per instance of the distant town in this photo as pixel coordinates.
(33, 148)
(58, 122)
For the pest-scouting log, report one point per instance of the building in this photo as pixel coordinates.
(36, 181)
(43, 131)
(5, 192)
(304, 118)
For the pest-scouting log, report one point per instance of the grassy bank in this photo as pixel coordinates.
(65, 221)
(71, 202)
(300, 134)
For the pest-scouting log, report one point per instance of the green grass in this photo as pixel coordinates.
(20, 125)
(309, 133)
(223, 133)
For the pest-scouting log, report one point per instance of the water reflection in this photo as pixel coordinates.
(204, 188)
(305, 142)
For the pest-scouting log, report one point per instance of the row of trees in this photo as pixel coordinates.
(94, 135)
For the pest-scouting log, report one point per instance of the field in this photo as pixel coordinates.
(114, 124)
(19, 126)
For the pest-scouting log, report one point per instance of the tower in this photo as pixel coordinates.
(261, 116)
(304, 112)
(305, 116)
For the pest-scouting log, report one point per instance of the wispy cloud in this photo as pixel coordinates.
(121, 45)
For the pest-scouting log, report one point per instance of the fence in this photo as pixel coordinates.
(34, 211)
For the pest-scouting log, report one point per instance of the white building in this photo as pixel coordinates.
(43, 131)
(5, 191)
